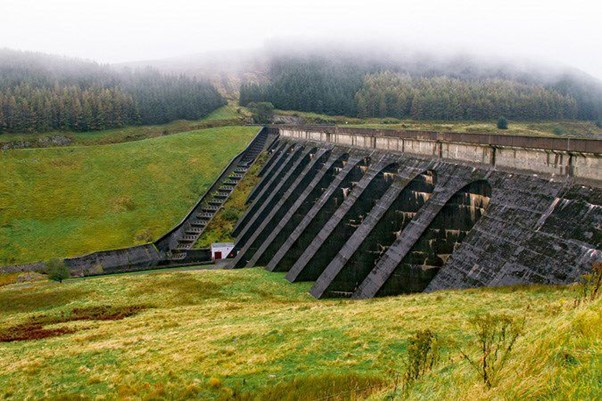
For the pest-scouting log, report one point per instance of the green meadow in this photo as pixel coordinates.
(250, 335)
(69, 201)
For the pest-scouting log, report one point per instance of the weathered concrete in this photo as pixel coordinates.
(272, 179)
(359, 201)
(412, 188)
(459, 214)
(179, 239)
(274, 196)
(277, 157)
(580, 158)
(318, 215)
(277, 212)
(294, 214)
(448, 184)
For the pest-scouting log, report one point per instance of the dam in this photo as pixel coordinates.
(363, 213)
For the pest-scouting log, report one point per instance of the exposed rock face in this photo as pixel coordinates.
(370, 222)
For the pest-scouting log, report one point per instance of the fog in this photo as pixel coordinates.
(555, 32)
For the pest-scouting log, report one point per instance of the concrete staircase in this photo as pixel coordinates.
(182, 238)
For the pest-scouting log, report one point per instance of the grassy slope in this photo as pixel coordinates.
(226, 115)
(545, 128)
(69, 201)
(212, 333)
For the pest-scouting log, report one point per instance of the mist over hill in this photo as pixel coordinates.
(41, 92)
(385, 80)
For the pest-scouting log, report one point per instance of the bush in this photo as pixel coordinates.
(262, 112)
(496, 336)
(558, 130)
(502, 123)
(590, 286)
(57, 270)
(599, 123)
(422, 355)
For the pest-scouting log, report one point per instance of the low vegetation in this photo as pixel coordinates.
(565, 128)
(57, 270)
(249, 334)
(221, 226)
(496, 337)
(69, 201)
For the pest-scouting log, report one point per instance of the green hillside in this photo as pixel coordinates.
(68, 201)
(225, 334)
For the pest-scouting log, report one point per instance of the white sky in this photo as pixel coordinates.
(569, 32)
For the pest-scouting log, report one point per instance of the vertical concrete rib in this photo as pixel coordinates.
(271, 241)
(274, 180)
(293, 247)
(274, 214)
(272, 165)
(274, 149)
(376, 233)
(274, 197)
(333, 235)
(408, 237)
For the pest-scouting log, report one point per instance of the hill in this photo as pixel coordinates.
(251, 335)
(68, 201)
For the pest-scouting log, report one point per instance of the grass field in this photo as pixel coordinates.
(249, 334)
(68, 201)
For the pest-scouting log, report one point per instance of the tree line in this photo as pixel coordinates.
(40, 93)
(442, 98)
(345, 87)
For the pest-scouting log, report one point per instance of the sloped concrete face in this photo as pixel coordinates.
(298, 210)
(372, 223)
(535, 231)
(358, 203)
(437, 243)
(267, 203)
(376, 234)
(274, 165)
(324, 207)
(301, 173)
(272, 179)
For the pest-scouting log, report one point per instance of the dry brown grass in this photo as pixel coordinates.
(215, 335)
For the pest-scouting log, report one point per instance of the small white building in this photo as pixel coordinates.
(221, 250)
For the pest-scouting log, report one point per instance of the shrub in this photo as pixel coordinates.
(599, 123)
(215, 382)
(262, 112)
(502, 123)
(558, 130)
(590, 285)
(57, 270)
(422, 355)
(496, 336)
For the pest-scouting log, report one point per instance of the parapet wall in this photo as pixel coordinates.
(578, 158)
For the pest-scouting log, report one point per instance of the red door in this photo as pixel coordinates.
(218, 255)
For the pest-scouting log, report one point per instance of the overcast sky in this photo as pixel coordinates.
(568, 32)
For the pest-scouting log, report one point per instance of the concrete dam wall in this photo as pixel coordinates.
(364, 213)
